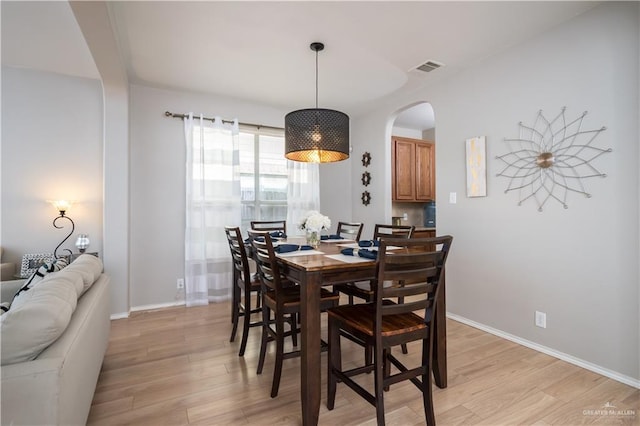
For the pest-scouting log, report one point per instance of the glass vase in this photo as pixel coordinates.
(313, 238)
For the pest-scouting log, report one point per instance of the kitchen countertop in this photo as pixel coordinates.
(423, 228)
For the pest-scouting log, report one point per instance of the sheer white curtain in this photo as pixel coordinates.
(303, 193)
(212, 201)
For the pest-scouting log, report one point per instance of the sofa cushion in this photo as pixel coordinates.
(89, 267)
(37, 318)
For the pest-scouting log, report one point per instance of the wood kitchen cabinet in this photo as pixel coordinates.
(413, 170)
(425, 233)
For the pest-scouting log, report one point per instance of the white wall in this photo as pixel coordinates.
(579, 265)
(157, 183)
(406, 133)
(95, 23)
(51, 149)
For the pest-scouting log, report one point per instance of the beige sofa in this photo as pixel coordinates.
(56, 387)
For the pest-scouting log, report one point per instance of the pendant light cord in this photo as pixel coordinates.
(316, 79)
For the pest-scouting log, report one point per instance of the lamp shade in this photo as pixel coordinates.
(316, 135)
(82, 242)
(61, 205)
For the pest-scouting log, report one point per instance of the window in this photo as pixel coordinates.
(263, 177)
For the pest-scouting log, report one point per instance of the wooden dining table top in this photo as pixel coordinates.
(311, 260)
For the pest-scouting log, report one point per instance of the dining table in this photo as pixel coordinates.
(326, 266)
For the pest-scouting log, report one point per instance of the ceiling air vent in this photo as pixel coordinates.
(430, 66)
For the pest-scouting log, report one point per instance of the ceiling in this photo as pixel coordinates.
(259, 51)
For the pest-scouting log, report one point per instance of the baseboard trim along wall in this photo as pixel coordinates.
(551, 352)
(147, 308)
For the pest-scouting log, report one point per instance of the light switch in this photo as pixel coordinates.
(452, 198)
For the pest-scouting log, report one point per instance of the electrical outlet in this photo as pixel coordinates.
(180, 283)
(453, 197)
(541, 319)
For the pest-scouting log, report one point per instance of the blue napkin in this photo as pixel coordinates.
(331, 237)
(286, 248)
(369, 254)
(369, 243)
(278, 234)
(261, 239)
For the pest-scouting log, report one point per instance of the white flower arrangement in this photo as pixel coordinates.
(315, 222)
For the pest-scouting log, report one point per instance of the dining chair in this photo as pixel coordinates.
(245, 286)
(384, 323)
(364, 290)
(279, 299)
(269, 225)
(350, 230)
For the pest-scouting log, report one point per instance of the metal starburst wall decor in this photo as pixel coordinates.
(551, 159)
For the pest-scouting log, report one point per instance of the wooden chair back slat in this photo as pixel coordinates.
(402, 308)
(350, 230)
(393, 231)
(269, 225)
(406, 290)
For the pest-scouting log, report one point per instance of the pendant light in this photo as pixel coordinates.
(316, 135)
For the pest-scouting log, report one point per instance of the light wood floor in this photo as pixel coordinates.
(176, 366)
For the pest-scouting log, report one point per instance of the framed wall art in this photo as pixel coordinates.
(476, 161)
(31, 263)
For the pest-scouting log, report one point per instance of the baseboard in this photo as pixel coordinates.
(627, 380)
(147, 308)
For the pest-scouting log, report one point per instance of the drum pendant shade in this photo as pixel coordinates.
(316, 135)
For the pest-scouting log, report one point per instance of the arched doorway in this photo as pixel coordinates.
(413, 195)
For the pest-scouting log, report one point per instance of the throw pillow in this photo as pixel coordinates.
(4, 307)
(43, 270)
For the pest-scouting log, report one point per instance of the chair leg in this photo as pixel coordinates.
(379, 384)
(404, 345)
(277, 371)
(350, 299)
(294, 325)
(368, 355)
(386, 365)
(235, 312)
(427, 391)
(246, 323)
(265, 337)
(233, 294)
(334, 362)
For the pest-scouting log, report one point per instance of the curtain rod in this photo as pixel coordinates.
(257, 126)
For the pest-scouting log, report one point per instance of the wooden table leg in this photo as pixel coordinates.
(439, 366)
(310, 350)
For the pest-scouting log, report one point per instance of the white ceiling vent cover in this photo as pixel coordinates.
(430, 66)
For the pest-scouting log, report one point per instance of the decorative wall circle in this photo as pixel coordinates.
(366, 178)
(366, 159)
(366, 198)
(551, 159)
